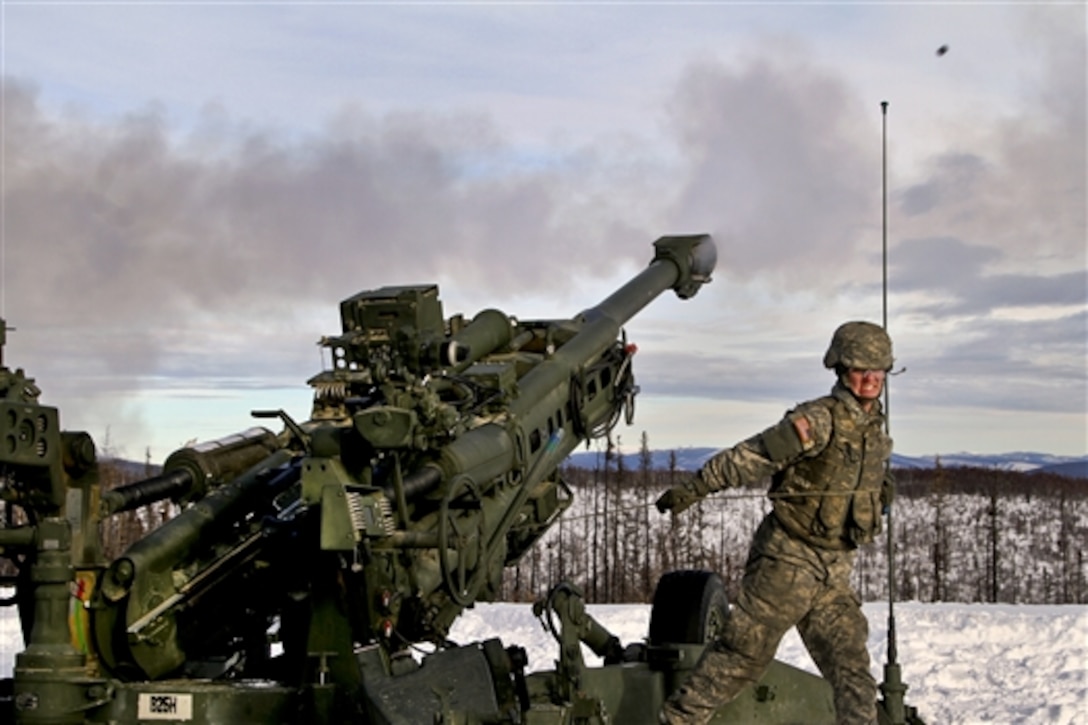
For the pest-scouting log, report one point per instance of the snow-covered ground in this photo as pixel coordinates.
(964, 663)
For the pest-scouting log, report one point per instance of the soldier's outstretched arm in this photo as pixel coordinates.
(802, 433)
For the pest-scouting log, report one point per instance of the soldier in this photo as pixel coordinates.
(827, 463)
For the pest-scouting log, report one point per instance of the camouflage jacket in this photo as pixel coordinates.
(826, 460)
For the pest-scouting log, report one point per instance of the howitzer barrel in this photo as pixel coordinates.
(680, 263)
(187, 471)
(141, 493)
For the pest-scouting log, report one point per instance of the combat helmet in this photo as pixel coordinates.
(860, 345)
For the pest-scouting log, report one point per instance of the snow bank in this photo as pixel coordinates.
(964, 663)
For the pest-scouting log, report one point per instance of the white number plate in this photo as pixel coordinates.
(164, 706)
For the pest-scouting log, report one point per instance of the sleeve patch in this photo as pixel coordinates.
(804, 431)
(783, 442)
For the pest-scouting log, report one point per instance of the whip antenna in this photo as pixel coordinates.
(892, 687)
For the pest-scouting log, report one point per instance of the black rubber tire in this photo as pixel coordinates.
(690, 607)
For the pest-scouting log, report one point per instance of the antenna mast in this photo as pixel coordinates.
(892, 687)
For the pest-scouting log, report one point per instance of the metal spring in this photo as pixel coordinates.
(355, 511)
(386, 510)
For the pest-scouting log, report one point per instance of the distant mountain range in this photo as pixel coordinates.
(690, 459)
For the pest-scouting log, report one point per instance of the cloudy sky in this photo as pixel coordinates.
(190, 188)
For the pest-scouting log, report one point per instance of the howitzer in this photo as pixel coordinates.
(303, 566)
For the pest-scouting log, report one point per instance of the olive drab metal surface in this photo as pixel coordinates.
(308, 556)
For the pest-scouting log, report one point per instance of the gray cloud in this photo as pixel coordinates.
(261, 214)
(938, 263)
(955, 272)
(954, 177)
(1015, 184)
(124, 241)
(728, 377)
(126, 247)
(776, 167)
(988, 364)
(1005, 365)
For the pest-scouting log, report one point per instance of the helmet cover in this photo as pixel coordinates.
(860, 345)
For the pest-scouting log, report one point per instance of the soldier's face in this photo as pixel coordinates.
(866, 385)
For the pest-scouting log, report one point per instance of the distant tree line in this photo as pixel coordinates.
(960, 535)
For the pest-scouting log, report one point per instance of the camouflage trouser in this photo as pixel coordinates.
(786, 583)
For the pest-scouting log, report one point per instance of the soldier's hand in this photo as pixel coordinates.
(676, 499)
(887, 492)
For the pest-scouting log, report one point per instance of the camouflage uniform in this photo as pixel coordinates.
(826, 460)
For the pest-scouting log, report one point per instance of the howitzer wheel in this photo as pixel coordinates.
(690, 607)
(464, 533)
